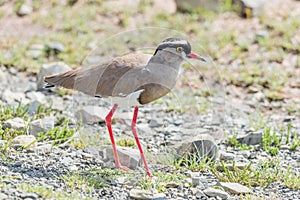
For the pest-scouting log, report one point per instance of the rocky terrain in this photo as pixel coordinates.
(228, 130)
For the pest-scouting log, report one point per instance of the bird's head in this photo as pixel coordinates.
(177, 47)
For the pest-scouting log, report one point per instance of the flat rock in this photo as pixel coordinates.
(15, 123)
(212, 192)
(251, 138)
(91, 114)
(202, 145)
(129, 157)
(23, 141)
(146, 195)
(50, 69)
(235, 188)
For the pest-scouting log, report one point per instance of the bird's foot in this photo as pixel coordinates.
(149, 175)
(122, 168)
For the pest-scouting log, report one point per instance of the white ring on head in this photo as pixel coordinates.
(183, 42)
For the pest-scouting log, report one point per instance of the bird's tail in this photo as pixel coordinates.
(65, 80)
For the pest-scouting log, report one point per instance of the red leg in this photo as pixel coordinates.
(108, 120)
(134, 131)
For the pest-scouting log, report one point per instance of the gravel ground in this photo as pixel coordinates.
(48, 166)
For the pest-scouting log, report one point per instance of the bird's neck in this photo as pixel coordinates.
(166, 61)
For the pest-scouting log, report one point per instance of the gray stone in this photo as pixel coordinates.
(33, 107)
(36, 96)
(15, 123)
(212, 192)
(91, 114)
(154, 123)
(50, 69)
(146, 195)
(226, 156)
(235, 188)
(201, 146)
(128, 157)
(41, 125)
(24, 141)
(251, 138)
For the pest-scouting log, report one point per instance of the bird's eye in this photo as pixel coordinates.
(179, 49)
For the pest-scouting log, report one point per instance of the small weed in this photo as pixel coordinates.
(232, 141)
(160, 181)
(9, 112)
(126, 142)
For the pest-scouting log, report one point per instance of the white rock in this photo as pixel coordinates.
(212, 192)
(15, 123)
(235, 188)
(24, 141)
(146, 195)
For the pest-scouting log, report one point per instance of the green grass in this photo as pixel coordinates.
(262, 174)
(48, 192)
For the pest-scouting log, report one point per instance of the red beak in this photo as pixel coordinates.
(196, 56)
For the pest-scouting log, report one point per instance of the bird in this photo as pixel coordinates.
(134, 78)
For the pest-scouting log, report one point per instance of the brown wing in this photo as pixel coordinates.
(100, 79)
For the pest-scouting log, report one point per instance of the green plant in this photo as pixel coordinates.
(59, 134)
(260, 175)
(232, 141)
(271, 141)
